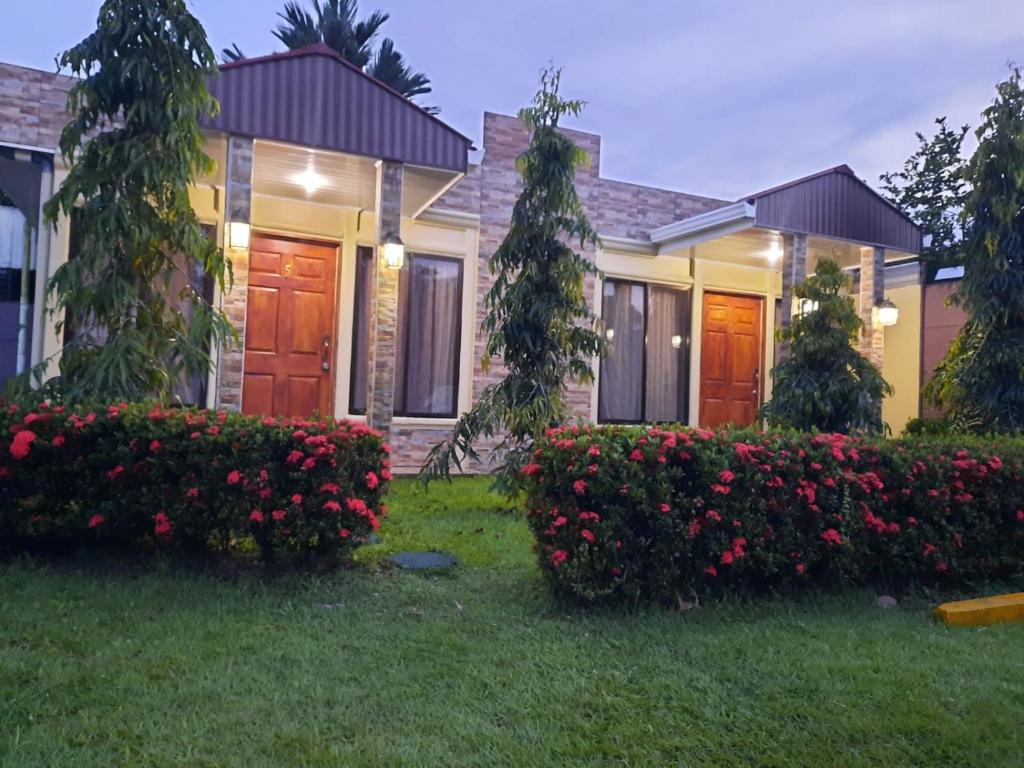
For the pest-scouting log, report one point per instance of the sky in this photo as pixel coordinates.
(703, 96)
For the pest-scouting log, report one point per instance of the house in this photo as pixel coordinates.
(324, 174)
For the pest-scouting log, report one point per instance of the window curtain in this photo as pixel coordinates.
(645, 377)
(620, 395)
(361, 329)
(428, 337)
(668, 320)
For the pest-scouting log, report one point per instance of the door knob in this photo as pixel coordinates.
(325, 343)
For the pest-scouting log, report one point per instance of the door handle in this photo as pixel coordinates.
(757, 383)
(325, 344)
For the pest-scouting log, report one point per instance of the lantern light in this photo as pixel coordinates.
(677, 341)
(888, 313)
(392, 251)
(238, 234)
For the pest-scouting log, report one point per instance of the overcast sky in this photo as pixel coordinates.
(717, 98)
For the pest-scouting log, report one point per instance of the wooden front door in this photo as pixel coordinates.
(289, 327)
(730, 359)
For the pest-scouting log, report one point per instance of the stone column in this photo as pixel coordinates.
(237, 208)
(872, 292)
(380, 388)
(794, 272)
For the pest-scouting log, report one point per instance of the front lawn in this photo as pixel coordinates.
(376, 667)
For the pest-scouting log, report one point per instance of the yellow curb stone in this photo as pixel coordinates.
(983, 611)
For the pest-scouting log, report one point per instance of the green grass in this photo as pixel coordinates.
(170, 667)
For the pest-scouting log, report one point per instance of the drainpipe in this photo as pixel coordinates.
(25, 301)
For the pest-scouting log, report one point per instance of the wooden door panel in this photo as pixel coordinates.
(291, 310)
(730, 365)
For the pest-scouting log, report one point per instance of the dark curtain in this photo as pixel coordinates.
(620, 395)
(428, 337)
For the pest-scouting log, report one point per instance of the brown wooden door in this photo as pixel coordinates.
(289, 327)
(730, 359)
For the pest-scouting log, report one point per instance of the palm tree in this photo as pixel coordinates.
(334, 23)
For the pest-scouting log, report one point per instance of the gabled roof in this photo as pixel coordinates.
(836, 203)
(313, 97)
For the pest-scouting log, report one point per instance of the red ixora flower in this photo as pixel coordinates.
(800, 568)
(372, 481)
(162, 524)
(344, 533)
(580, 487)
(711, 571)
(58, 441)
(332, 506)
(21, 445)
(95, 520)
(256, 516)
(728, 557)
(726, 476)
(832, 536)
(234, 477)
(1020, 515)
(115, 473)
(588, 535)
(278, 515)
(154, 446)
(532, 469)
(558, 557)
(636, 455)
(296, 498)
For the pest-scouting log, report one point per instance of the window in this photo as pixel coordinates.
(645, 376)
(429, 333)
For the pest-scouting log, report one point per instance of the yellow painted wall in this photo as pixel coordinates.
(901, 366)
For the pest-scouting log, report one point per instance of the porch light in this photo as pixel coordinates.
(392, 251)
(309, 179)
(774, 252)
(888, 313)
(807, 306)
(609, 334)
(238, 234)
(677, 341)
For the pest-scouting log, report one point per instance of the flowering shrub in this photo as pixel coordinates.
(125, 474)
(639, 513)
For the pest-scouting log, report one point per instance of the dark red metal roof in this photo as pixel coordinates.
(313, 97)
(835, 203)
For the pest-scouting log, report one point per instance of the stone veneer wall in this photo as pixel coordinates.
(615, 208)
(32, 106)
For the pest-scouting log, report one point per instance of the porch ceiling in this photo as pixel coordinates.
(337, 179)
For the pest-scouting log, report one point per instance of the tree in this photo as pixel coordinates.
(134, 147)
(981, 380)
(825, 383)
(335, 23)
(538, 320)
(932, 190)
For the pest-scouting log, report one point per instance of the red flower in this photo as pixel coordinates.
(154, 446)
(832, 536)
(309, 463)
(726, 476)
(588, 535)
(594, 450)
(328, 488)
(727, 557)
(294, 457)
(1020, 515)
(580, 487)
(95, 521)
(371, 480)
(711, 571)
(532, 469)
(615, 571)
(256, 516)
(344, 533)
(800, 568)
(192, 493)
(22, 442)
(296, 498)
(665, 508)
(719, 488)
(929, 549)
(115, 473)
(636, 455)
(161, 525)
(560, 521)
(58, 441)
(558, 557)
(234, 477)
(332, 506)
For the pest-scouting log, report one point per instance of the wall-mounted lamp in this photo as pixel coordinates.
(888, 313)
(392, 251)
(677, 341)
(807, 306)
(609, 333)
(238, 234)
(774, 252)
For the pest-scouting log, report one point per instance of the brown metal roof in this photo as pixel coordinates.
(313, 97)
(835, 203)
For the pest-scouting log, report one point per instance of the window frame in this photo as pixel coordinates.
(410, 258)
(686, 347)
